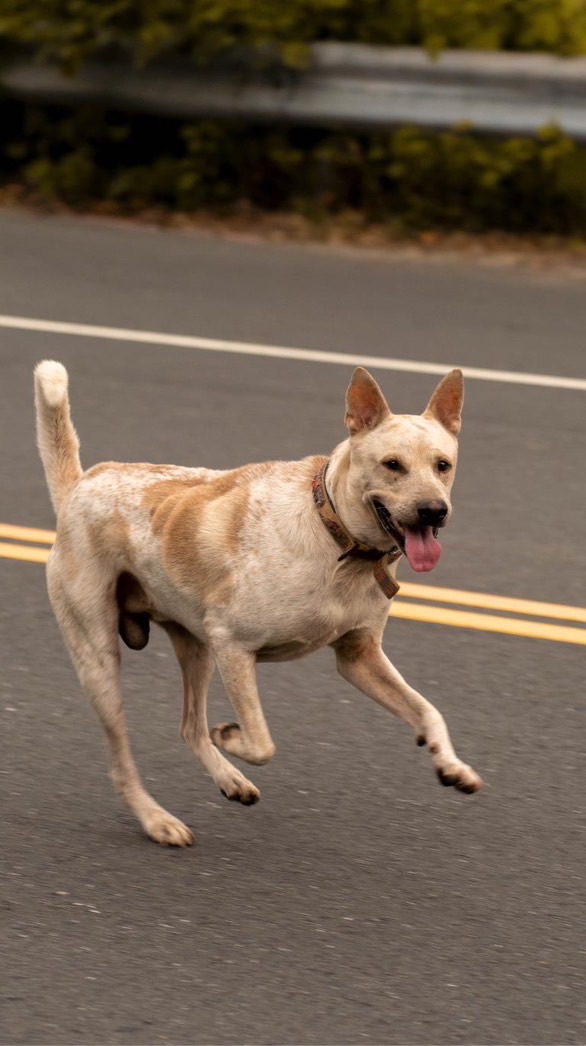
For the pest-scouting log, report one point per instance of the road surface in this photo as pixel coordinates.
(359, 901)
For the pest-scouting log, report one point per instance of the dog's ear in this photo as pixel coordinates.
(366, 406)
(446, 403)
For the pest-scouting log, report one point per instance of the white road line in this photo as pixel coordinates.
(86, 330)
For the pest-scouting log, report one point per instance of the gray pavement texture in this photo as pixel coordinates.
(358, 902)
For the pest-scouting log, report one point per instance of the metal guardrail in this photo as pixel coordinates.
(347, 85)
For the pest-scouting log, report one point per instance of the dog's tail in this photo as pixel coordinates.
(56, 437)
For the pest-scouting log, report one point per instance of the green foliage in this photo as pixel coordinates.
(474, 24)
(68, 31)
(559, 27)
(410, 179)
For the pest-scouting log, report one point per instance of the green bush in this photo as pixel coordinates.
(409, 179)
(70, 30)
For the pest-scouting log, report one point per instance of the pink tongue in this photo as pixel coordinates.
(422, 549)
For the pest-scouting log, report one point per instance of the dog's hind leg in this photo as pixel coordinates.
(197, 667)
(362, 661)
(87, 613)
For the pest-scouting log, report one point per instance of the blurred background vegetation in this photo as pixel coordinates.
(407, 178)
(70, 30)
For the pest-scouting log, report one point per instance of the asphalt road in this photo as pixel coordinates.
(358, 902)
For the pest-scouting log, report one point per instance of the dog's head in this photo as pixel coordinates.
(401, 467)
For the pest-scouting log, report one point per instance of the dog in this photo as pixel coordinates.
(267, 562)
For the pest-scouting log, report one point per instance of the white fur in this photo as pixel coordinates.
(51, 381)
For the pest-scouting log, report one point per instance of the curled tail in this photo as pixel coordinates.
(56, 437)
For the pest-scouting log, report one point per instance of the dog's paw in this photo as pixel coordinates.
(451, 771)
(167, 830)
(248, 795)
(235, 786)
(460, 776)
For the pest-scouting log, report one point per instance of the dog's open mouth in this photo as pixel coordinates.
(419, 543)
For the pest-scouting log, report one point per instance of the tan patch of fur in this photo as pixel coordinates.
(199, 523)
(356, 645)
(209, 486)
(159, 495)
(111, 536)
(123, 468)
(190, 560)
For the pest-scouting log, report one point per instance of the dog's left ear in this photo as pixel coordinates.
(366, 406)
(446, 403)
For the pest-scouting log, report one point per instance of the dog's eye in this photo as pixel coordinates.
(393, 465)
(443, 465)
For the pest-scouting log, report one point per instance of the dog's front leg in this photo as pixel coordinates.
(362, 661)
(249, 738)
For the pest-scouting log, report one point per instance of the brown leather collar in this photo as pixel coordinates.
(349, 545)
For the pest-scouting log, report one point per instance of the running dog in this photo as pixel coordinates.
(267, 562)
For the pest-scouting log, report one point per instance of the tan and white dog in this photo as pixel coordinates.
(263, 563)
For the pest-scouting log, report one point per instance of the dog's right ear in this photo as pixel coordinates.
(366, 406)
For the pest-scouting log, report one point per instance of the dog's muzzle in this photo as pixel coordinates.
(386, 521)
(418, 542)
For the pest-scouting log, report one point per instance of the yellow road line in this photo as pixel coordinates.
(512, 626)
(7, 530)
(421, 611)
(27, 552)
(484, 601)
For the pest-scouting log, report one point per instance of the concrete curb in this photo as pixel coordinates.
(345, 85)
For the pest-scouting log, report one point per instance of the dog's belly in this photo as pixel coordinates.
(305, 637)
(289, 651)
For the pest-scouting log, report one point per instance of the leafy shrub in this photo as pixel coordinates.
(70, 30)
(410, 178)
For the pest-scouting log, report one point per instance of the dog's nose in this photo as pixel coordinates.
(432, 513)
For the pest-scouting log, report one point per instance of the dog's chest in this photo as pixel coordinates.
(306, 623)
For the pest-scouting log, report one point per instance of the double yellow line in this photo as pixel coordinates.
(517, 614)
(514, 617)
(31, 553)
